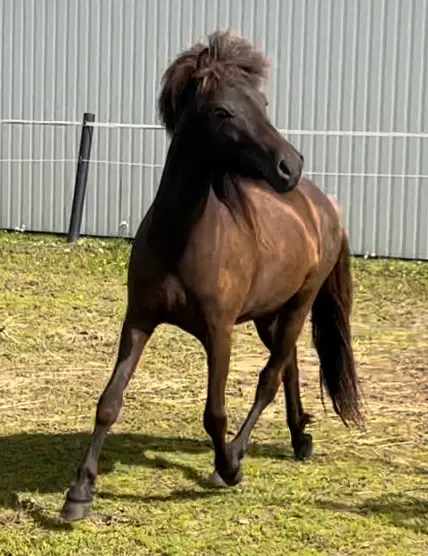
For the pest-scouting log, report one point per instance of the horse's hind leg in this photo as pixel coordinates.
(297, 419)
(134, 337)
(284, 332)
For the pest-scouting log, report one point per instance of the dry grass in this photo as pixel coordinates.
(60, 312)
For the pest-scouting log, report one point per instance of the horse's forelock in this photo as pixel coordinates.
(201, 68)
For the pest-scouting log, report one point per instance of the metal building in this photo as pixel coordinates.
(357, 67)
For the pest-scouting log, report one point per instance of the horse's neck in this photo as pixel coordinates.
(185, 177)
(180, 200)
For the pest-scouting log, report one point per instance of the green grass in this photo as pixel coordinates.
(363, 493)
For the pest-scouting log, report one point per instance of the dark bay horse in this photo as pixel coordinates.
(234, 234)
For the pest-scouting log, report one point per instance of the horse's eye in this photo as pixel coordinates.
(222, 112)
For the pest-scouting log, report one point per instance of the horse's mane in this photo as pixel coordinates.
(198, 70)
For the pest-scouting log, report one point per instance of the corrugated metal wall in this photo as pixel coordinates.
(337, 65)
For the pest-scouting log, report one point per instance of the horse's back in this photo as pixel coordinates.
(329, 217)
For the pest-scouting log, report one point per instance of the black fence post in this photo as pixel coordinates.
(81, 178)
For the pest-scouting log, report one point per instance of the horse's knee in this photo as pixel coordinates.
(108, 410)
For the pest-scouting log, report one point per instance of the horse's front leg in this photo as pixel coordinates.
(215, 419)
(134, 337)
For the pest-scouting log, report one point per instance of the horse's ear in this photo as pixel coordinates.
(202, 57)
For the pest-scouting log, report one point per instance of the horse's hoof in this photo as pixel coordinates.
(237, 479)
(75, 511)
(216, 481)
(303, 448)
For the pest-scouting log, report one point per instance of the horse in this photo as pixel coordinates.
(236, 233)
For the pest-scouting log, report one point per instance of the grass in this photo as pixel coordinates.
(60, 313)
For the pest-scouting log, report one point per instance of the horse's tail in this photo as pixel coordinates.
(331, 334)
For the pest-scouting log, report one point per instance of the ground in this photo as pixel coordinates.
(363, 492)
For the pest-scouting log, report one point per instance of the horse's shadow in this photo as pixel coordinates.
(46, 463)
(400, 509)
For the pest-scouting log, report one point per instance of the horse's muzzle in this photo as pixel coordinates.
(290, 170)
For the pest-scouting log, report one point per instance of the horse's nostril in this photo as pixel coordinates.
(283, 170)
